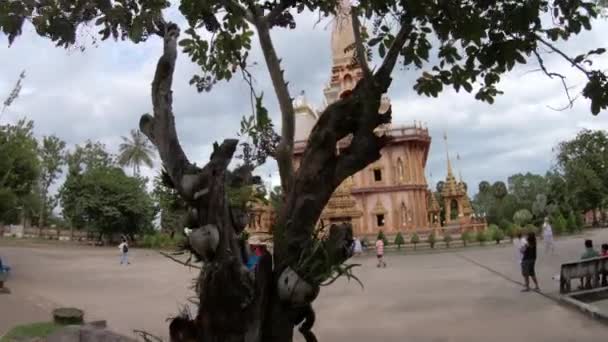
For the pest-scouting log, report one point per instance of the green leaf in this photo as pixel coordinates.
(375, 41)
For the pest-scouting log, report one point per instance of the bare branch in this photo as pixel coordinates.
(561, 53)
(284, 151)
(278, 9)
(359, 48)
(562, 78)
(169, 256)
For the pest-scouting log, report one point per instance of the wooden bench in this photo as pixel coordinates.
(593, 272)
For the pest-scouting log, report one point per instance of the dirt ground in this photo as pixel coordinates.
(463, 295)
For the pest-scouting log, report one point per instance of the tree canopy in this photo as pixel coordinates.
(19, 170)
(52, 158)
(99, 196)
(135, 151)
(583, 164)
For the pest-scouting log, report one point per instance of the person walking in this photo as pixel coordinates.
(124, 252)
(528, 269)
(380, 253)
(548, 237)
(357, 248)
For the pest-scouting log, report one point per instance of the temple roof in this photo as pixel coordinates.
(306, 117)
(451, 188)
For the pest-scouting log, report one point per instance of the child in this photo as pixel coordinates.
(589, 251)
(528, 269)
(124, 250)
(604, 250)
(380, 253)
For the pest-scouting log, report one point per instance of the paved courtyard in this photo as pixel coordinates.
(462, 295)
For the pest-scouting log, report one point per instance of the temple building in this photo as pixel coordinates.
(392, 193)
(456, 203)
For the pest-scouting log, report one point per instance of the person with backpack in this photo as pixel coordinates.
(124, 251)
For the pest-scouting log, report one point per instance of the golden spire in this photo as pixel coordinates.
(450, 189)
(447, 153)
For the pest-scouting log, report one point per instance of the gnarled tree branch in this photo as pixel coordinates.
(160, 128)
(284, 151)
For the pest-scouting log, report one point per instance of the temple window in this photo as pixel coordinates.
(377, 175)
(400, 173)
(403, 214)
(380, 220)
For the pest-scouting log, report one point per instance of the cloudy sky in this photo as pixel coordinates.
(99, 94)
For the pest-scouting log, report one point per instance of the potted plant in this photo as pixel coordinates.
(481, 237)
(447, 238)
(432, 239)
(399, 240)
(466, 237)
(415, 240)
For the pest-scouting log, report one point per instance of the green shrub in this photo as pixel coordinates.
(496, 234)
(530, 228)
(161, 241)
(522, 217)
(580, 222)
(399, 240)
(559, 223)
(481, 237)
(505, 225)
(415, 240)
(432, 239)
(466, 237)
(570, 223)
(447, 238)
(382, 237)
(513, 231)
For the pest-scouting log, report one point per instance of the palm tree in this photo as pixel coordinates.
(135, 151)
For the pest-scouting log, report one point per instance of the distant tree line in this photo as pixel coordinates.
(576, 184)
(96, 195)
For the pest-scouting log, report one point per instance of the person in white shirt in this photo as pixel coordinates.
(548, 236)
(357, 248)
(124, 251)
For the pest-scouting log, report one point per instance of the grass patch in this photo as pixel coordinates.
(27, 331)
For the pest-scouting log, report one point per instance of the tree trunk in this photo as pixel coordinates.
(42, 212)
(595, 223)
